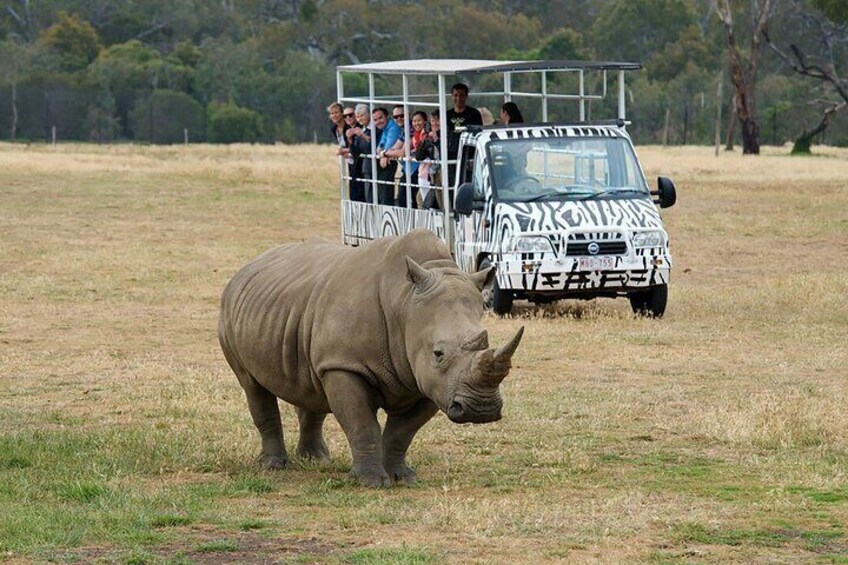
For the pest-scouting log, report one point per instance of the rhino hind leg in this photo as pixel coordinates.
(397, 436)
(310, 444)
(266, 417)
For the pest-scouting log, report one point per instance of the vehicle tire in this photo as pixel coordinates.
(650, 302)
(495, 299)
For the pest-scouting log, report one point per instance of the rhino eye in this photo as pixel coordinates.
(438, 354)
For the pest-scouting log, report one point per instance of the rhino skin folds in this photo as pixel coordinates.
(393, 324)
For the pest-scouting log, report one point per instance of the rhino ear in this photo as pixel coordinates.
(484, 277)
(418, 275)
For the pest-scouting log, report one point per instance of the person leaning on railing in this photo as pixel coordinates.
(387, 167)
(398, 151)
(359, 142)
(429, 171)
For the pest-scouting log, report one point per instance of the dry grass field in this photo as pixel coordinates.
(718, 434)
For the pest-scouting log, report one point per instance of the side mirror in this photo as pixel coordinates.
(666, 192)
(464, 202)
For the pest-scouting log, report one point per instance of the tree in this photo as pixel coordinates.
(12, 54)
(75, 41)
(634, 30)
(165, 114)
(827, 20)
(743, 68)
(131, 71)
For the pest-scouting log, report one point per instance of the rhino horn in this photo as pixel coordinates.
(418, 275)
(504, 353)
(491, 367)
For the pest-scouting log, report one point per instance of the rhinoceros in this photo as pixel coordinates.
(393, 324)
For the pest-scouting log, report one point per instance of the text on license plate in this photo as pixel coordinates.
(595, 263)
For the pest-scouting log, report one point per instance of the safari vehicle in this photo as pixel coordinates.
(560, 207)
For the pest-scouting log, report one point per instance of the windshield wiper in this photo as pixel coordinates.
(571, 190)
(546, 195)
(613, 191)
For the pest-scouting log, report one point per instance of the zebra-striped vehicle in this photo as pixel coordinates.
(561, 207)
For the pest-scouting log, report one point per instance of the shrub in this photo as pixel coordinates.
(163, 116)
(229, 123)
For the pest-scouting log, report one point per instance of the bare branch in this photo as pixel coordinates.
(804, 65)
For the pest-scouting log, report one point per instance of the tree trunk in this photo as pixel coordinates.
(719, 97)
(14, 131)
(750, 130)
(743, 70)
(804, 141)
(731, 123)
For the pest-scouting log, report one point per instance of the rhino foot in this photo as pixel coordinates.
(272, 462)
(404, 475)
(314, 452)
(371, 478)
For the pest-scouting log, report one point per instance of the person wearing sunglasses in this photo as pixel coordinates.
(349, 116)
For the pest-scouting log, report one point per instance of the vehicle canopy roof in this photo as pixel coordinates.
(471, 66)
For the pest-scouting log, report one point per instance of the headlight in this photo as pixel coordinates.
(649, 238)
(527, 244)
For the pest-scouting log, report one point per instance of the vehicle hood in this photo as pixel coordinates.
(558, 216)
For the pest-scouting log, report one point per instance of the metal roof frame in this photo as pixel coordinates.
(442, 68)
(480, 66)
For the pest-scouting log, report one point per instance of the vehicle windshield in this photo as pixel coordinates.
(565, 168)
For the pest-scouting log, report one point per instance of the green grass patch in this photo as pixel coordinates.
(815, 540)
(81, 491)
(697, 533)
(170, 521)
(253, 484)
(15, 462)
(217, 546)
(824, 496)
(402, 556)
(252, 524)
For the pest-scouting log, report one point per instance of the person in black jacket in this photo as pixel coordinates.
(359, 141)
(460, 116)
(360, 146)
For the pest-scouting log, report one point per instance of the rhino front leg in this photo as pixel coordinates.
(310, 444)
(400, 429)
(354, 404)
(266, 417)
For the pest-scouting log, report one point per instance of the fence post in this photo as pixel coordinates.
(718, 112)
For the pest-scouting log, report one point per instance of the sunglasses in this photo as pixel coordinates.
(398, 116)
(349, 116)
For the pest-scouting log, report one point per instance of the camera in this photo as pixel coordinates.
(427, 150)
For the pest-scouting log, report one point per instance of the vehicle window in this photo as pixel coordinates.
(564, 168)
(477, 179)
(467, 163)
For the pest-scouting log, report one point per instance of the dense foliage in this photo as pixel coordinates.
(264, 70)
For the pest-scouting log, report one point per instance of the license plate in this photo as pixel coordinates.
(595, 263)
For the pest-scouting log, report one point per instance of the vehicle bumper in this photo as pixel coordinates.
(566, 275)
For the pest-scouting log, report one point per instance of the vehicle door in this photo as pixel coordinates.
(472, 233)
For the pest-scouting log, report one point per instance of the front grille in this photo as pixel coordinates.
(580, 248)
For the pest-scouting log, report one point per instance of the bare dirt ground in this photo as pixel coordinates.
(718, 434)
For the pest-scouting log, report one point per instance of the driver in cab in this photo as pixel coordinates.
(509, 168)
